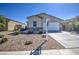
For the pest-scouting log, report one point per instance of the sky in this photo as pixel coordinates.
(20, 12)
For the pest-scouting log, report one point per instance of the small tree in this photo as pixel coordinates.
(3, 21)
(2, 25)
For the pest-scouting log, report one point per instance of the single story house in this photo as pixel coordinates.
(12, 24)
(37, 22)
(69, 24)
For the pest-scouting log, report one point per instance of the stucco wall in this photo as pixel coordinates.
(38, 20)
(12, 24)
(41, 21)
(67, 26)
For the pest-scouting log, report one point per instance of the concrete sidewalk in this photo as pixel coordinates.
(61, 52)
(46, 52)
(15, 52)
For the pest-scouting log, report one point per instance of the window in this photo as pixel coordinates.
(34, 23)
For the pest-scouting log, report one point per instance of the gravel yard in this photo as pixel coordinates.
(16, 43)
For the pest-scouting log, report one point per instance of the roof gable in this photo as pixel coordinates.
(42, 15)
(73, 19)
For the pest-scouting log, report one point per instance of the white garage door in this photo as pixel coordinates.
(52, 27)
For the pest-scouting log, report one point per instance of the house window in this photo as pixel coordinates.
(34, 23)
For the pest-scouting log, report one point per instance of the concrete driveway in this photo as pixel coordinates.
(66, 39)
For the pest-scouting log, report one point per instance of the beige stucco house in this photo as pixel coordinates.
(11, 24)
(69, 24)
(37, 22)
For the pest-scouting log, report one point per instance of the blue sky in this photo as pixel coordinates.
(19, 12)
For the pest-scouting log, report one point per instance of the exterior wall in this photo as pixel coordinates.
(38, 20)
(67, 26)
(12, 24)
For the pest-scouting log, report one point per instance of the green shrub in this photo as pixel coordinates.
(26, 28)
(28, 42)
(2, 25)
(40, 32)
(30, 31)
(16, 32)
(76, 25)
(3, 40)
(43, 36)
(1, 36)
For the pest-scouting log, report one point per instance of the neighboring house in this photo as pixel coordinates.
(37, 22)
(11, 24)
(69, 24)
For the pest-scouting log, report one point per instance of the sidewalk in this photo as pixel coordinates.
(61, 52)
(46, 52)
(15, 53)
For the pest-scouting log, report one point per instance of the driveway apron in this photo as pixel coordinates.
(66, 39)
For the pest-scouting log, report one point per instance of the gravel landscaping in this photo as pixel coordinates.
(17, 43)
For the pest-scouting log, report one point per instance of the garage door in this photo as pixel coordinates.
(52, 27)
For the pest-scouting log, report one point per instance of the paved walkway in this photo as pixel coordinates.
(46, 52)
(67, 39)
(61, 52)
(15, 52)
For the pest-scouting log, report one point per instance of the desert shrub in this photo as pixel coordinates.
(40, 32)
(43, 36)
(30, 31)
(28, 42)
(16, 32)
(3, 40)
(1, 36)
(26, 28)
(22, 29)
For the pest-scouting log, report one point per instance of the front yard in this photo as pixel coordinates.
(17, 43)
